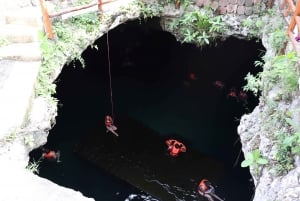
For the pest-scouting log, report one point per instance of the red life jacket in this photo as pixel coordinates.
(175, 147)
(50, 155)
(108, 121)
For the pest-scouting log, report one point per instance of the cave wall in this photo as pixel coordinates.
(237, 7)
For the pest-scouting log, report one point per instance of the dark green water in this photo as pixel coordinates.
(151, 83)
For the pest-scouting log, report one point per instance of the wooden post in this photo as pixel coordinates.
(46, 20)
(100, 9)
(177, 4)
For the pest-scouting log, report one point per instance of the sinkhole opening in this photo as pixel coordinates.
(163, 89)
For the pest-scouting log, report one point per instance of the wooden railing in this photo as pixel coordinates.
(46, 16)
(290, 8)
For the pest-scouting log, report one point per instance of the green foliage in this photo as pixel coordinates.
(44, 86)
(284, 160)
(34, 167)
(12, 136)
(29, 141)
(150, 10)
(88, 21)
(278, 40)
(253, 158)
(66, 45)
(81, 2)
(289, 145)
(254, 26)
(199, 27)
(280, 72)
(3, 42)
(283, 72)
(253, 83)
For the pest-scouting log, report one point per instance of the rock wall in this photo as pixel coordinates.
(255, 134)
(238, 7)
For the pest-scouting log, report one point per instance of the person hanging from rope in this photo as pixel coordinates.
(175, 147)
(206, 189)
(110, 127)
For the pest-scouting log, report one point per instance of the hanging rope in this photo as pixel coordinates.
(109, 73)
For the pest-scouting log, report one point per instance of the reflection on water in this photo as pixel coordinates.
(155, 88)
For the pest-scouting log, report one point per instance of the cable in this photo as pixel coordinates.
(110, 83)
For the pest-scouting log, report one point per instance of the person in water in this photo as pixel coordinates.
(51, 155)
(110, 127)
(206, 189)
(175, 147)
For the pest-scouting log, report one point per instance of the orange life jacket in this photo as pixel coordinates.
(175, 147)
(50, 155)
(108, 121)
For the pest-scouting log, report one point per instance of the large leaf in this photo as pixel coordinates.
(256, 154)
(246, 163)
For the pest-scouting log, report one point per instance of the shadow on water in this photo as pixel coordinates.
(165, 86)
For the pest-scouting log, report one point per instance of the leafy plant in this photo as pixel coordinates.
(3, 42)
(254, 26)
(64, 48)
(12, 136)
(88, 21)
(34, 167)
(278, 40)
(254, 159)
(200, 27)
(149, 10)
(289, 145)
(29, 140)
(281, 71)
(253, 83)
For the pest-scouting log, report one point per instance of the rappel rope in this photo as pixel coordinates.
(109, 73)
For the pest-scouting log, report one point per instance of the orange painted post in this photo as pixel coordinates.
(177, 4)
(100, 9)
(295, 21)
(296, 16)
(46, 20)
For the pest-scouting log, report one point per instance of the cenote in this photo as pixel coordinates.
(167, 87)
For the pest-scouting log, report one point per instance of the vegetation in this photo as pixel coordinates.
(254, 159)
(3, 42)
(276, 85)
(254, 27)
(12, 135)
(149, 10)
(66, 47)
(200, 27)
(289, 145)
(280, 71)
(29, 140)
(34, 167)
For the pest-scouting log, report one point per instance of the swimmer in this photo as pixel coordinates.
(206, 189)
(51, 155)
(110, 125)
(175, 147)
